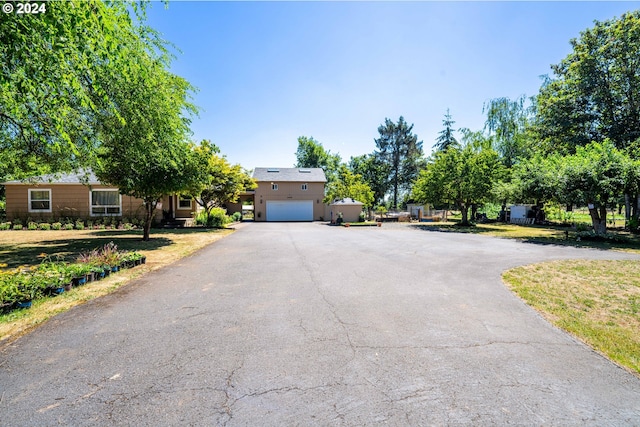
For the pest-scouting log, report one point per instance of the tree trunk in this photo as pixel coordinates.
(474, 212)
(598, 218)
(627, 210)
(464, 210)
(149, 207)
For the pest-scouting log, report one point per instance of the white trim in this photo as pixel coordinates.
(30, 209)
(106, 207)
(186, 198)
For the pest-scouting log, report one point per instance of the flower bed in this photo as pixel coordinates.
(51, 278)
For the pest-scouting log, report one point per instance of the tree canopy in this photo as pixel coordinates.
(374, 173)
(144, 148)
(349, 185)
(219, 182)
(461, 176)
(311, 154)
(508, 124)
(594, 93)
(59, 72)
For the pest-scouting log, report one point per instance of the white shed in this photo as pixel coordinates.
(521, 214)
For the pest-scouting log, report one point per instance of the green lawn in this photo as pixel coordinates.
(596, 301)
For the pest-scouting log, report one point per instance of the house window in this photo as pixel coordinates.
(184, 202)
(39, 200)
(304, 187)
(274, 187)
(105, 202)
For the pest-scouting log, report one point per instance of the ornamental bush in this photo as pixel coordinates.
(217, 218)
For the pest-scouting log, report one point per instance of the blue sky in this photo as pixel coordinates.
(269, 72)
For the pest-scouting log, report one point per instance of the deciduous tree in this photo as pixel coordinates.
(462, 176)
(594, 93)
(596, 175)
(219, 182)
(58, 72)
(349, 185)
(507, 124)
(374, 172)
(145, 150)
(311, 154)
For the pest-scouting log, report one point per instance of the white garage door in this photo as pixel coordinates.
(290, 210)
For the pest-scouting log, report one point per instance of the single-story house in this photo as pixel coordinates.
(349, 208)
(82, 196)
(289, 194)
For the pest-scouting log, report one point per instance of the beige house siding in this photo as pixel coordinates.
(289, 191)
(67, 201)
(178, 212)
(350, 213)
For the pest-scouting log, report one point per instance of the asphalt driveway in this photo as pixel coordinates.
(305, 324)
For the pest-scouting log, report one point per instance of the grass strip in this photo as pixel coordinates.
(596, 301)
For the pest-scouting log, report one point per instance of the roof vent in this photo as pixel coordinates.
(273, 170)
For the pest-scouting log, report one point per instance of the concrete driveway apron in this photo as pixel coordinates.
(306, 324)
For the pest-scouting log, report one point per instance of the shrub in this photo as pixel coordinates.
(237, 216)
(44, 226)
(17, 226)
(32, 226)
(79, 225)
(68, 226)
(5, 225)
(217, 218)
(56, 226)
(361, 216)
(583, 227)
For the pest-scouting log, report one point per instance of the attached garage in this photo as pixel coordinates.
(289, 210)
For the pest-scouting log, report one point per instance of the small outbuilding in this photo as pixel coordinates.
(349, 208)
(522, 214)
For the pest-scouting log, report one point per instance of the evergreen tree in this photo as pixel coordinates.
(401, 151)
(446, 138)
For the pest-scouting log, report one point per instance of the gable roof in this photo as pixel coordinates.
(79, 177)
(289, 174)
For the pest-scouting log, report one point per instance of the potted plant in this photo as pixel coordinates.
(109, 255)
(27, 288)
(7, 293)
(79, 273)
(98, 271)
